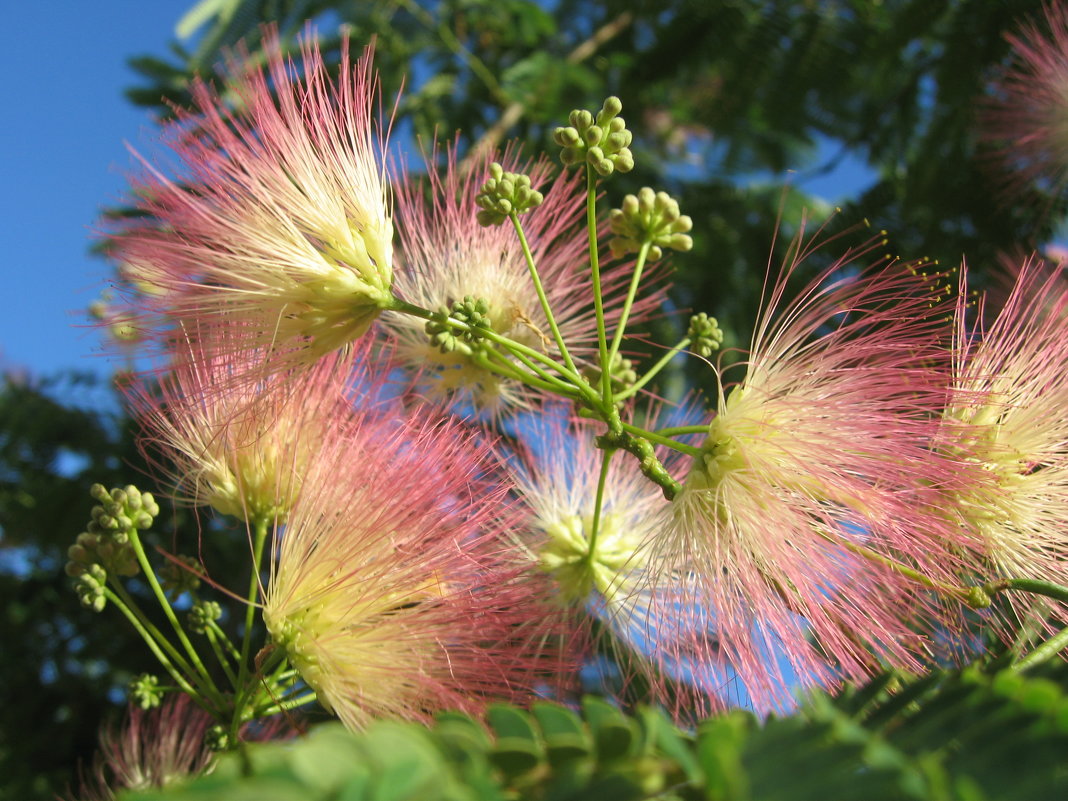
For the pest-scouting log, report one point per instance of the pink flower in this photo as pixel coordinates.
(391, 590)
(153, 748)
(278, 216)
(813, 480)
(1008, 416)
(600, 581)
(447, 256)
(1026, 120)
(237, 445)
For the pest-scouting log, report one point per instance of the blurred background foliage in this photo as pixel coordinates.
(742, 109)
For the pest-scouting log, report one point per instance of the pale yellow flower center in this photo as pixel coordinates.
(567, 556)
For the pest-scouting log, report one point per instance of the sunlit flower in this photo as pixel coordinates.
(237, 445)
(1026, 119)
(389, 589)
(809, 485)
(599, 579)
(1008, 414)
(278, 213)
(448, 256)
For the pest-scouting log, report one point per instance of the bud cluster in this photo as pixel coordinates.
(704, 334)
(106, 541)
(89, 586)
(472, 311)
(504, 193)
(180, 577)
(603, 141)
(621, 373)
(202, 615)
(649, 218)
(145, 691)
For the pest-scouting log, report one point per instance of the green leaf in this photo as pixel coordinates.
(613, 732)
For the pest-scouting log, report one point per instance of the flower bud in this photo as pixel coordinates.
(602, 143)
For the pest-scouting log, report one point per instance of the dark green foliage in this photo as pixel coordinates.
(965, 735)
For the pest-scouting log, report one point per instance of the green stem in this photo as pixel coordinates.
(133, 608)
(659, 439)
(225, 640)
(404, 307)
(1043, 652)
(656, 368)
(963, 594)
(643, 451)
(545, 307)
(220, 655)
(279, 706)
(1034, 586)
(597, 503)
(259, 538)
(168, 611)
(537, 377)
(676, 431)
(595, 273)
(153, 646)
(632, 291)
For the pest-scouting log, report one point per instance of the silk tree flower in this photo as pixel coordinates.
(1008, 414)
(278, 216)
(447, 256)
(1026, 119)
(599, 584)
(390, 588)
(808, 494)
(153, 748)
(237, 445)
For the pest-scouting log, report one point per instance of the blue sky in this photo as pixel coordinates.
(64, 124)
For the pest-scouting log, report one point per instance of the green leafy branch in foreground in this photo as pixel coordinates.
(952, 734)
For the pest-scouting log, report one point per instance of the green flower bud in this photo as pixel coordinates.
(622, 374)
(202, 615)
(503, 194)
(178, 578)
(651, 218)
(89, 587)
(602, 142)
(218, 738)
(145, 691)
(472, 311)
(705, 334)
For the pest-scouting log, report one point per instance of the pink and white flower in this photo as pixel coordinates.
(1008, 416)
(391, 589)
(1026, 119)
(278, 215)
(809, 494)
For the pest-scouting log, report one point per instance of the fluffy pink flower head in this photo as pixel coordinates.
(811, 478)
(559, 489)
(1008, 415)
(237, 445)
(448, 256)
(390, 590)
(153, 748)
(279, 215)
(600, 581)
(1027, 118)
